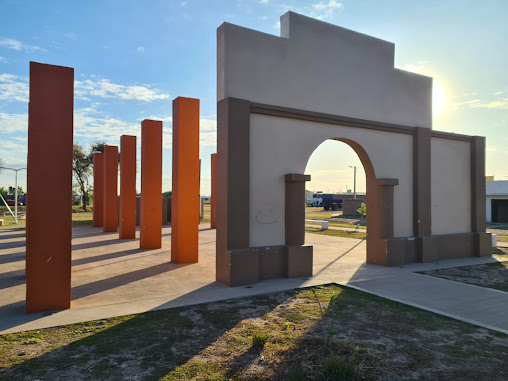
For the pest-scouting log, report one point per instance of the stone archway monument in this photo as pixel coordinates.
(280, 97)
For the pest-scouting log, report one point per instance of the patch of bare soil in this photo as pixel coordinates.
(491, 275)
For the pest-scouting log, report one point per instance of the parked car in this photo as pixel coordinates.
(11, 203)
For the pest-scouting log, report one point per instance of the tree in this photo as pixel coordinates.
(97, 147)
(362, 210)
(82, 169)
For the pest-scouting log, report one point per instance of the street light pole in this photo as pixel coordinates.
(15, 191)
(354, 186)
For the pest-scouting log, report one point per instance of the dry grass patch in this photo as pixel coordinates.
(321, 333)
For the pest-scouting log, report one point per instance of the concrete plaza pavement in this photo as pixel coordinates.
(112, 277)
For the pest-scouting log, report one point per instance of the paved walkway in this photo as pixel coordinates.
(112, 277)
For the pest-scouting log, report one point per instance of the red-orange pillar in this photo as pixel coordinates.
(213, 198)
(151, 185)
(127, 187)
(49, 168)
(185, 190)
(110, 189)
(98, 189)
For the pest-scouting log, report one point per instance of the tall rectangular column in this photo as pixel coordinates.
(50, 153)
(151, 185)
(185, 192)
(110, 189)
(213, 198)
(295, 208)
(98, 189)
(127, 187)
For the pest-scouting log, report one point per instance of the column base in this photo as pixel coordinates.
(400, 251)
(254, 264)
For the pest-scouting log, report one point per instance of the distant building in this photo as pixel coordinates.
(497, 201)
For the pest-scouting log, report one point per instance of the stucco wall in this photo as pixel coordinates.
(321, 67)
(450, 186)
(279, 146)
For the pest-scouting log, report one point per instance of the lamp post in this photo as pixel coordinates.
(354, 186)
(15, 192)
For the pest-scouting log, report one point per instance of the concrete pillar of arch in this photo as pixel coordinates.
(213, 198)
(185, 190)
(110, 223)
(50, 142)
(299, 258)
(98, 189)
(151, 185)
(127, 227)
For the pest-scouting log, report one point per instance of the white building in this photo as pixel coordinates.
(497, 201)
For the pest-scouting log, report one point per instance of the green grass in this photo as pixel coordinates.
(336, 368)
(259, 340)
(337, 233)
(320, 215)
(336, 224)
(79, 218)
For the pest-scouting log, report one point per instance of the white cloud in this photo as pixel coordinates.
(2, 59)
(90, 126)
(183, 3)
(13, 88)
(277, 25)
(470, 103)
(496, 104)
(18, 45)
(208, 139)
(264, 1)
(491, 149)
(208, 125)
(105, 89)
(499, 93)
(328, 7)
(331, 5)
(413, 68)
(10, 123)
(70, 35)
(141, 49)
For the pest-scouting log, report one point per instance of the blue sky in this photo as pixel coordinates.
(131, 58)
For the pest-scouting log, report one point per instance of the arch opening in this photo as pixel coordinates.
(334, 183)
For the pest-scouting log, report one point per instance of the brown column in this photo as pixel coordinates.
(127, 187)
(48, 238)
(421, 182)
(233, 181)
(478, 196)
(185, 190)
(385, 199)
(110, 189)
(151, 185)
(425, 252)
(213, 198)
(295, 208)
(98, 189)
(482, 240)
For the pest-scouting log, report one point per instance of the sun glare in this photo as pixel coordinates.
(438, 98)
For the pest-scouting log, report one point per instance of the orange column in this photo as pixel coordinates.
(98, 189)
(48, 236)
(184, 208)
(127, 187)
(213, 198)
(110, 189)
(151, 185)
